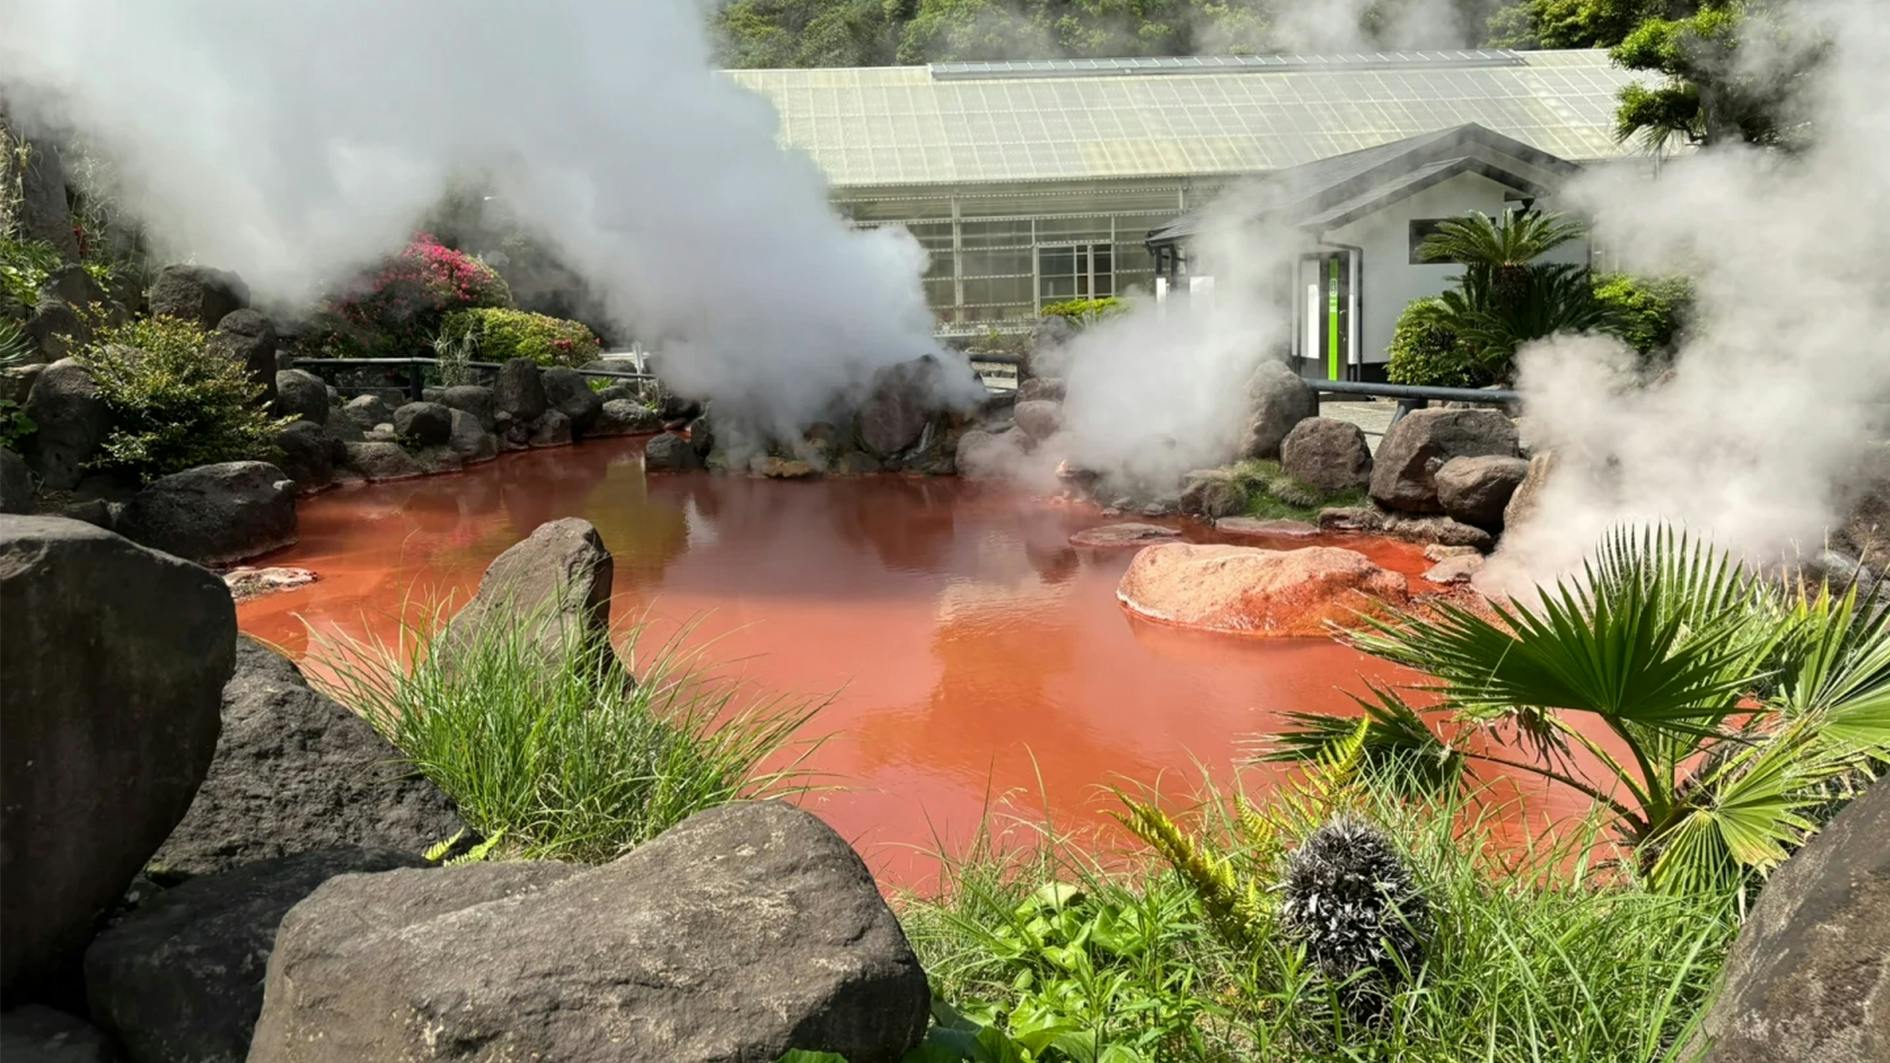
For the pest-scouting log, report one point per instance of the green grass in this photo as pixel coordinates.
(1271, 494)
(549, 750)
(1537, 956)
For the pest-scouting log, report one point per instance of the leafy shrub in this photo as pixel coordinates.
(498, 335)
(1085, 311)
(1646, 312)
(174, 404)
(397, 311)
(548, 748)
(1424, 349)
(24, 265)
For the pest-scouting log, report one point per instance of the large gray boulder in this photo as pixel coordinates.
(300, 393)
(1277, 400)
(557, 579)
(670, 452)
(197, 293)
(1808, 979)
(1405, 470)
(181, 977)
(57, 329)
(552, 429)
(296, 771)
(1038, 419)
(423, 424)
(72, 422)
(620, 417)
(377, 461)
(741, 933)
(74, 286)
(1327, 454)
(309, 455)
(469, 440)
(892, 417)
(16, 483)
(248, 339)
(45, 212)
(114, 660)
(1527, 497)
(215, 514)
(38, 1034)
(569, 393)
(518, 393)
(475, 399)
(1476, 490)
(368, 411)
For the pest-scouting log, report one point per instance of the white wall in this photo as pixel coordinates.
(1390, 281)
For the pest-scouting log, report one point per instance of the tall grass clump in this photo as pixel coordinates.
(1541, 954)
(540, 735)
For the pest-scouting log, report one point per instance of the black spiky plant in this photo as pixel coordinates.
(1350, 899)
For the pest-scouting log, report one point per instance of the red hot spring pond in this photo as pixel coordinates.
(975, 658)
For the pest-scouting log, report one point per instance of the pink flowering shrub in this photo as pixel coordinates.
(396, 310)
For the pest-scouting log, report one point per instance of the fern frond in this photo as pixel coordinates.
(1233, 909)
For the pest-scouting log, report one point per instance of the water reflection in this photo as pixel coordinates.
(972, 650)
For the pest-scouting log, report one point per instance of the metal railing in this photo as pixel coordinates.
(413, 370)
(1416, 396)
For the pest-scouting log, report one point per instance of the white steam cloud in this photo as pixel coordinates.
(1162, 390)
(295, 143)
(1754, 437)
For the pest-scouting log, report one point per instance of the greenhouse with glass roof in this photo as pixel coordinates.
(1037, 182)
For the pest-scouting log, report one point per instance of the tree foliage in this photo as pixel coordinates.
(805, 33)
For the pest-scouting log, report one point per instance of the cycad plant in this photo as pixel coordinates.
(1497, 256)
(1504, 298)
(1736, 706)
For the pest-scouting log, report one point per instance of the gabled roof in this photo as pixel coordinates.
(1331, 192)
(1076, 120)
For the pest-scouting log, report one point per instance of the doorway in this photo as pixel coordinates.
(1323, 321)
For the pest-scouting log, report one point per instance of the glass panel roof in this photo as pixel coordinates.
(1072, 120)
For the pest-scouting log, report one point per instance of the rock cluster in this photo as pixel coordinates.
(291, 915)
(904, 423)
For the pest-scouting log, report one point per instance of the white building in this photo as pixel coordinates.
(1349, 229)
(1036, 182)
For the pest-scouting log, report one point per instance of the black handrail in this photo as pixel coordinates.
(1492, 396)
(416, 376)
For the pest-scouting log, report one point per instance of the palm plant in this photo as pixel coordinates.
(1496, 256)
(1551, 299)
(1737, 705)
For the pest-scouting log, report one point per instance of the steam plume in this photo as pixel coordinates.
(1162, 390)
(294, 143)
(1780, 386)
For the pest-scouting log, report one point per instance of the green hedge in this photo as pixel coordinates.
(1085, 311)
(497, 335)
(1424, 350)
(1646, 312)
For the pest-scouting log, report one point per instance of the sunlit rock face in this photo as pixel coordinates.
(1249, 591)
